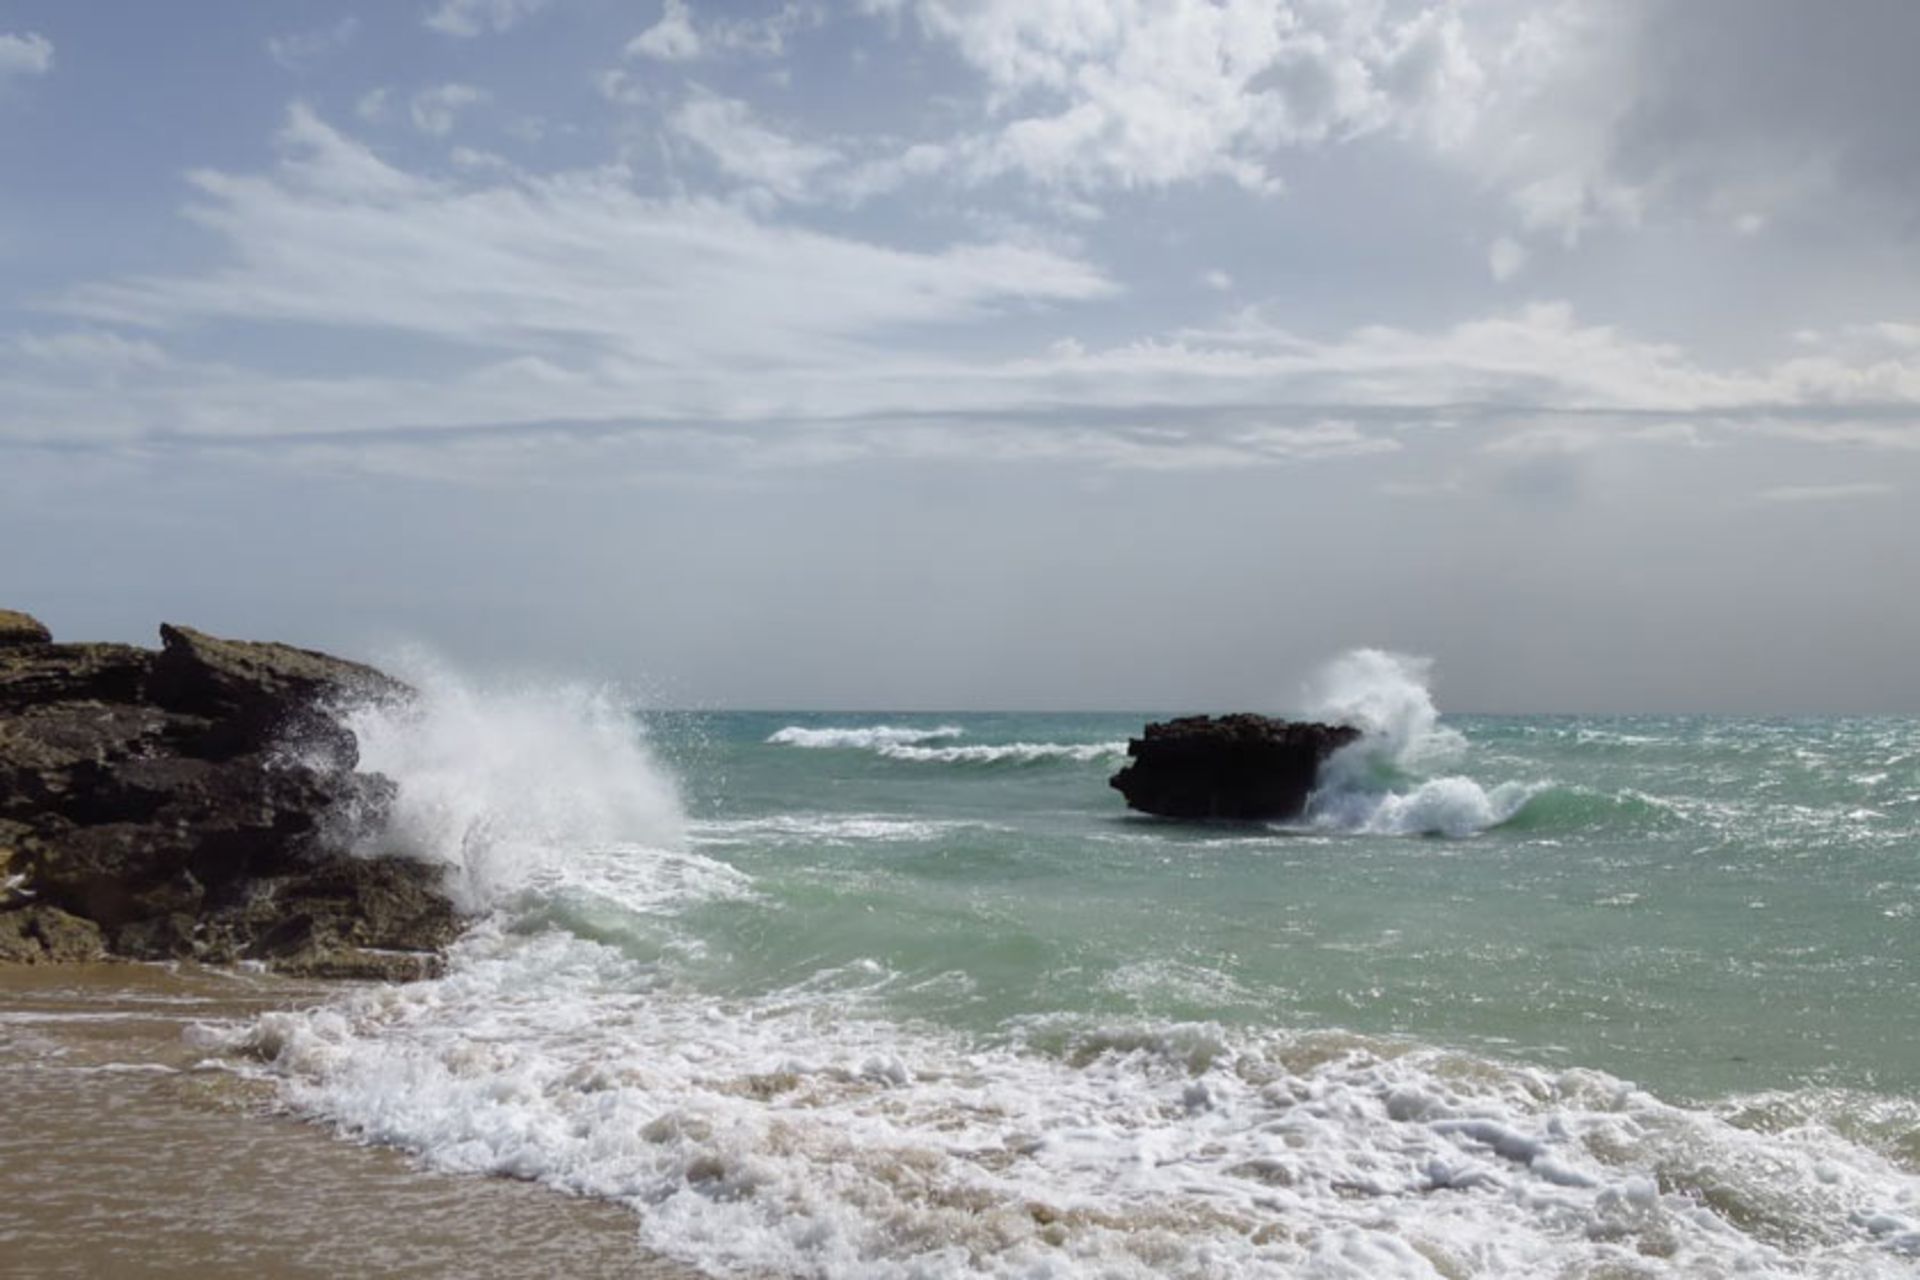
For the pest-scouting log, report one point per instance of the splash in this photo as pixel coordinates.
(1386, 696)
(1382, 784)
(504, 784)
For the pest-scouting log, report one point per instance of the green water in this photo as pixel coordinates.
(915, 998)
(1703, 906)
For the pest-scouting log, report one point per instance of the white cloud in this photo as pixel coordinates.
(300, 49)
(1536, 359)
(1577, 113)
(372, 105)
(1505, 258)
(573, 298)
(679, 37)
(25, 55)
(574, 264)
(624, 89)
(468, 18)
(672, 39)
(1217, 279)
(1146, 93)
(745, 148)
(1595, 112)
(91, 349)
(435, 110)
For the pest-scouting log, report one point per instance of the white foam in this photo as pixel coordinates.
(1452, 806)
(638, 879)
(1373, 785)
(1007, 752)
(867, 736)
(798, 1133)
(825, 828)
(896, 742)
(503, 784)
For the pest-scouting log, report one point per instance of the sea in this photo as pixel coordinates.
(889, 994)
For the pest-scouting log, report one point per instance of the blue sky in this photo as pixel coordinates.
(934, 352)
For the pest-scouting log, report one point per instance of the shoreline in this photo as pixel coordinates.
(123, 1155)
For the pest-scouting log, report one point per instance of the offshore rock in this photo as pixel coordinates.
(1239, 766)
(200, 802)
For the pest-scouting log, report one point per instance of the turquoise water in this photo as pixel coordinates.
(914, 996)
(1704, 906)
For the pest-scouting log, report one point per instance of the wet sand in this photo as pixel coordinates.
(122, 1155)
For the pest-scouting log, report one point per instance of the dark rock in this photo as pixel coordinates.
(1237, 766)
(33, 675)
(22, 628)
(201, 802)
(255, 694)
(36, 934)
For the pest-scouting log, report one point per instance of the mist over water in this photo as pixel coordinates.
(914, 995)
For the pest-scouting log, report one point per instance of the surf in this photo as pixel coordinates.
(1389, 781)
(876, 1015)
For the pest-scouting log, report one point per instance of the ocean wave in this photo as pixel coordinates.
(797, 1133)
(1376, 785)
(911, 745)
(863, 736)
(1453, 806)
(1568, 808)
(827, 828)
(636, 880)
(504, 784)
(1007, 752)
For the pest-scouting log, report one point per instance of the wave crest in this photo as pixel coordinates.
(1377, 784)
(1008, 752)
(504, 784)
(870, 737)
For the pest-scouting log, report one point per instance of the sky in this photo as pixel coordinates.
(978, 353)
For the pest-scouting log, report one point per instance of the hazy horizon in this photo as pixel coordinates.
(1071, 354)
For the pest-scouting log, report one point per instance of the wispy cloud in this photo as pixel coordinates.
(469, 18)
(435, 110)
(672, 39)
(745, 148)
(299, 50)
(681, 35)
(26, 54)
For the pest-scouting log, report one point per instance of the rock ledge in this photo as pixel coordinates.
(199, 802)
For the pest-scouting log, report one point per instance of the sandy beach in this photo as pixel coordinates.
(126, 1153)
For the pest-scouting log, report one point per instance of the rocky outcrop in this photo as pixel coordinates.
(1238, 766)
(199, 802)
(21, 628)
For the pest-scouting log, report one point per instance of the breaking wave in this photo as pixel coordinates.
(507, 785)
(1008, 753)
(870, 737)
(1382, 784)
(911, 745)
(799, 1134)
